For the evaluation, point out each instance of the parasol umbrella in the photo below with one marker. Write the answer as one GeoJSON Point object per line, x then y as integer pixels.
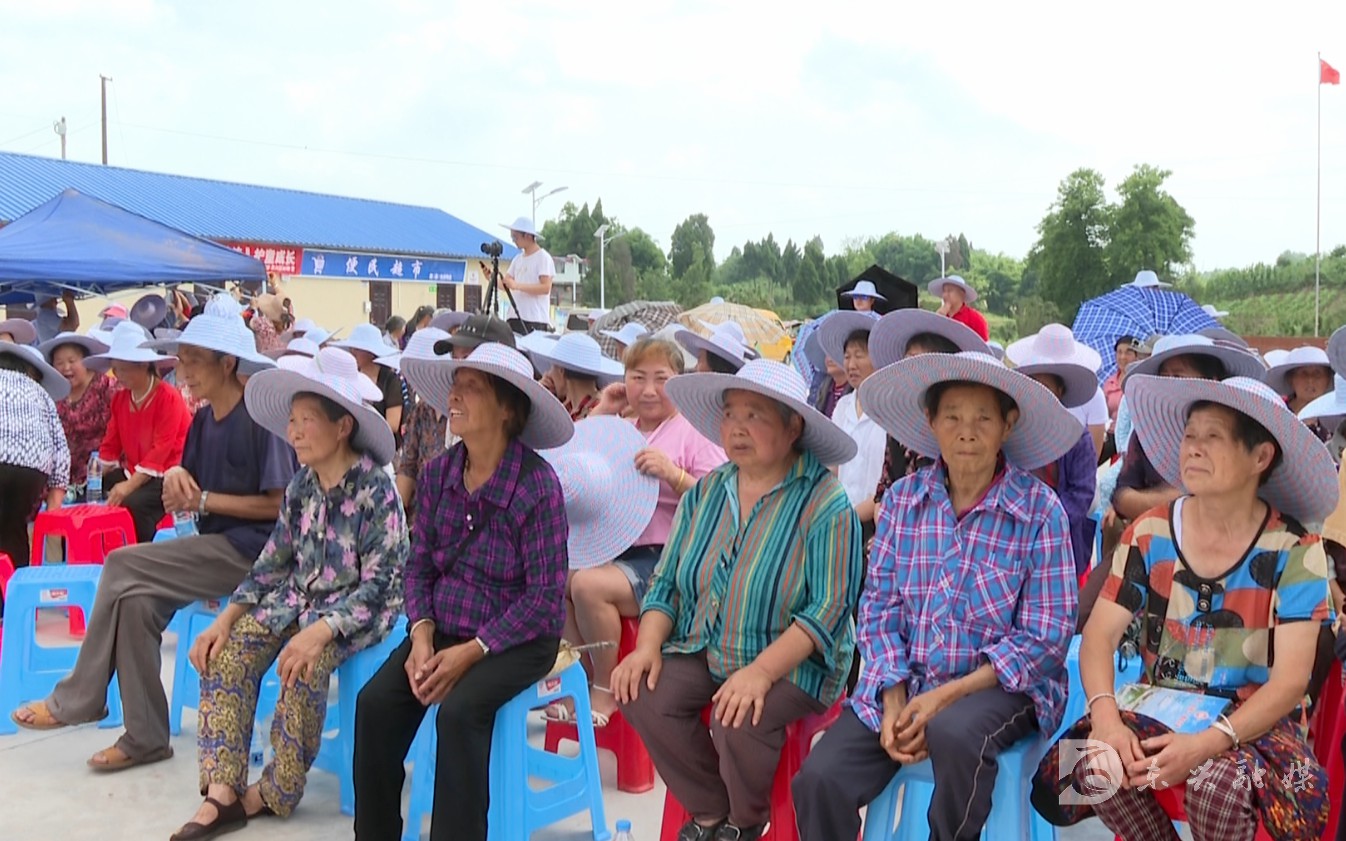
{"type": "Point", "coordinates": [654, 315]}
{"type": "Point", "coordinates": [808, 358]}
{"type": "Point", "coordinates": [764, 332]}
{"type": "Point", "coordinates": [1135, 311]}
{"type": "Point", "coordinates": [899, 293]}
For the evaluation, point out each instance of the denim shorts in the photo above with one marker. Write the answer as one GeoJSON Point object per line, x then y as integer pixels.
{"type": "Point", "coordinates": [638, 565]}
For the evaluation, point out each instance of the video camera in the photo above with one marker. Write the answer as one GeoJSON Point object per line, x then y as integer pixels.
{"type": "Point", "coordinates": [492, 249]}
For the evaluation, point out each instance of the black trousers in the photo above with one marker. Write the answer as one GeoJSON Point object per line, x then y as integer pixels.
{"type": "Point", "coordinates": [518, 326]}
{"type": "Point", "coordinates": [145, 503]}
{"type": "Point", "coordinates": [387, 716]}
{"type": "Point", "coordinates": [848, 768]}
{"type": "Point", "coordinates": [20, 489]}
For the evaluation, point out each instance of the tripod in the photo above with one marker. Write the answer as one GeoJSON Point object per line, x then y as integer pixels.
{"type": "Point", "coordinates": [493, 295]}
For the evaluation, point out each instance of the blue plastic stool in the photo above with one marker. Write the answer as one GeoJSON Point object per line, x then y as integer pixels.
{"type": "Point", "coordinates": [29, 671]}
{"type": "Point", "coordinates": [517, 809]}
{"type": "Point", "coordinates": [188, 624]}
{"type": "Point", "coordinates": [1128, 671]}
{"type": "Point", "coordinates": [337, 754]}
{"type": "Point", "coordinates": [165, 535]}
{"type": "Point", "coordinates": [1012, 817]}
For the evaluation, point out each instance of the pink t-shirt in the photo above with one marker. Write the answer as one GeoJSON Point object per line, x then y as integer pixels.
{"type": "Point", "coordinates": [691, 451]}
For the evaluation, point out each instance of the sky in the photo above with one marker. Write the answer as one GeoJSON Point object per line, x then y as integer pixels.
{"type": "Point", "coordinates": [841, 119]}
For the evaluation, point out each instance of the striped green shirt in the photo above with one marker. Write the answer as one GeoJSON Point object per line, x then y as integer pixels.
{"type": "Point", "coordinates": [733, 591]}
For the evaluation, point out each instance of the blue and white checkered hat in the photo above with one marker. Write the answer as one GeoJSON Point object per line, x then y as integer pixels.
{"type": "Point", "coordinates": [700, 398]}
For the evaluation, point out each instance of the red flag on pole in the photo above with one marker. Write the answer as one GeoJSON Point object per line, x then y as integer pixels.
{"type": "Point", "coordinates": [1327, 74]}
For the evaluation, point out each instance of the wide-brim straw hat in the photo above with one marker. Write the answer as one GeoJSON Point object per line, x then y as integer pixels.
{"type": "Point", "coordinates": [1336, 351]}
{"type": "Point", "coordinates": [52, 382]}
{"type": "Point", "coordinates": [421, 345]}
{"type": "Point", "coordinates": [1278, 377]}
{"type": "Point", "coordinates": [149, 311]}
{"type": "Point", "coordinates": [535, 346]}
{"type": "Point", "coordinates": [333, 374]}
{"type": "Point", "coordinates": [1329, 408]}
{"type": "Point", "coordinates": [580, 353]}
{"type": "Point", "coordinates": [269, 305]}
{"type": "Point", "coordinates": [839, 326]}
{"type": "Point", "coordinates": [1146, 279]}
{"type": "Point", "coordinates": [630, 333]}
{"type": "Point", "coordinates": [700, 398]}
{"type": "Point", "coordinates": [937, 285]}
{"type": "Point", "coordinates": [889, 339]}
{"type": "Point", "coordinates": [365, 337]}
{"type": "Point", "coordinates": [301, 346]}
{"type": "Point", "coordinates": [1211, 311]}
{"type": "Point", "coordinates": [864, 289]}
{"type": "Point", "coordinates": [1237, 362]}
{"type": "Point", "coordinates": [128, 345]}
{"type": "Point", "coordinates": [895, 398]}
{"type": "Point", "coordinates": [523, 225]}
{"type": "Point", "coordinates": [21, 329]}
{"type": "Point", "coordinates": [609, 503]}
{"type": "Point", "coordinates": [91, 344]}
{"type": "Point", "coordinates": [548, 424]}
{"type": "Point", "coordinates": [1053, 350]}
{"type": "Point", "coordinates": [1303, 485]}
{"type": "Point", "coordinates": [726, 340]}
{"type": "Point", "coordinates": [219, 328]}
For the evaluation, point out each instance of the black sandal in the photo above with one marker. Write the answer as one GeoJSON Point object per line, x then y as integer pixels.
{"type": "Point", "coordinates": [227, 819]}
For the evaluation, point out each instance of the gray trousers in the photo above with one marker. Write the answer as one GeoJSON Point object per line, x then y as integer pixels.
{"type": "Point", "coordinates": [141, 588]}
{"type": "Point", "coordinates": [848, 768]}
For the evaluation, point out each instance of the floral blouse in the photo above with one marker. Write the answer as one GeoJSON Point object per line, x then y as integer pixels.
{"type": "Point", "coordinates": [85, 423]}
{"type": "Point", "coordinates": [425, 439]}
{"type": "Point", "coordinates": [267, 337]}
{"type": "Point", "coordinates": [334, 555]}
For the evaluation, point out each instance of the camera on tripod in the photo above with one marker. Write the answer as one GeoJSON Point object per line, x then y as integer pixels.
{"type": "Point", "coordinates": [492, 249]}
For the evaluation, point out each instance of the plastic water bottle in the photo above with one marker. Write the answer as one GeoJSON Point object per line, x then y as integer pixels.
{"type": "Point", "coordinates": [623, 832]}
{"type": "Point", "coordinates": [184, 523]}
{"type": "Point", "coordinates": [93, 488]}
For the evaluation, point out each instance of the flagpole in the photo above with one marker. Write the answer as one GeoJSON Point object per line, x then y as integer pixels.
{"type": "Point", "coordinates": [1318, 211]}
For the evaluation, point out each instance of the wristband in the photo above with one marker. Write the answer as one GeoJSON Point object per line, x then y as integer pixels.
{"type": "Point", "coordinates": [419, 622]}
{"type": "Point", "coordinates": [201, 506]}
{"type": "Point", "coordinates": [485, 649]}
{"type": "Point", "coordinates": [1089, 705]}
{"type": "Point", "coordinates": [1225, 726]}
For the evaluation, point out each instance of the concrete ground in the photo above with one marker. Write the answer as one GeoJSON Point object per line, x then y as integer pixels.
{"type": "Point", "coordinates": [47, 793]}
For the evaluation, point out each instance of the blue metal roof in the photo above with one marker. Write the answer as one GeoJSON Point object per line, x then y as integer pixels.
{"type": "Point", "coordinates": [221, 210]}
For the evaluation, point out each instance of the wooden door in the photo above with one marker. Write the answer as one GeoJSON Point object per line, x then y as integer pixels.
{"type": "Point", "coordinates": [471, 298]}
{"type": "Point", "coordinates": [446, 296]}
{"type": "Point", "coordinates": [380, 302]}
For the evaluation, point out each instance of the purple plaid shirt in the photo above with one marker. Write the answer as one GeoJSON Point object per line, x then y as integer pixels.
{"type": "Point", "coordinates": [943, 594]}
{"type": "Point", "coordinates": [492, 563]}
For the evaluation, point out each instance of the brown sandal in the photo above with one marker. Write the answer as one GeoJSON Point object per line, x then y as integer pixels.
{"type": "Point", "coordinates": [111, 766]}
{"type": "Point", "coordinates": [227, 819]}
{"type": "Point", "coordinates": [42, 717]}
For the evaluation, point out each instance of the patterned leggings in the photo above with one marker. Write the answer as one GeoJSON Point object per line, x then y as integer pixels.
{"type": "Point", "coordinates": [229, 706]}
{"type": "Point", "coordinates": [1220, 810]}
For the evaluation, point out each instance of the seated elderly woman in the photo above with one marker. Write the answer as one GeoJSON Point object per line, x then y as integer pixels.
{"type": "Point", "coordinates": [85, 411]}
{"type": "Point", "coordinates": [485, 590]}
{"type": "Point", "coordinates": [1304, 375]}
{"type": "Point", "coordinates": [722, 352]}
{"type": "Point", "coordinates": [146, 430]}
{"type": "Point", "coordinates": [677, 456]}
{"type": "Point", "coordinates": [1232, 590]}
{"type": "Point", "coordinates": [969, 598]}
{"type": "Point", "coordinates": [326, 585]}
{"type": "Point", "coordinates": [749, 609]}
{"type": "Point", "coordinates": [577, 369]}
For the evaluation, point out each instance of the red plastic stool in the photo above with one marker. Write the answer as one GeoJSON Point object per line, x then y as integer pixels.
{"type": "Point", "coordinates": [6, 573]}
{"type": "Point", "coordinates": [1328, 727]}
{"type": "Point", "coordinates": [1171, 801]}
{"type": "Point", "coordinates": [90, 532]}
{"type": "Point", "coordinates": [635, 769]}
{"type": "Point", "coordinates": [798, 742]}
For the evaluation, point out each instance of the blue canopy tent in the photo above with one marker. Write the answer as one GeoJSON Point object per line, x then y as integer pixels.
{"type": "Point", "coordinates": [81, 243]}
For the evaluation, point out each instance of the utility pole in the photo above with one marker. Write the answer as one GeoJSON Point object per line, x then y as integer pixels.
{"type": "Point", "coordinates": [103, 80]}
{"type": "Point", "coordinates": [59, 128]}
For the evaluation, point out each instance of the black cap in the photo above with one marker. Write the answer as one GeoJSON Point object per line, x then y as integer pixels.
{"type": "Point", "coordinates": [477, 331]}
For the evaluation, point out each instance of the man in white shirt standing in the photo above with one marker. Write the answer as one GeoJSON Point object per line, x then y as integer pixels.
{"type": "Point", "coordinates": [529, 277]}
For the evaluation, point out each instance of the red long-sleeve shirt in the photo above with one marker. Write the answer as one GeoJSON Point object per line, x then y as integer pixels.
{"type": "Point", "coordinates": [968, 316]}
{"type": "Point", "coordinates": [148, 439]}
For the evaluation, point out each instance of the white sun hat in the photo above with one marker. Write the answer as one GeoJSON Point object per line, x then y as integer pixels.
{"type": "Point", "coordinates": [127, 345]}
{"type": "Point", "coordinates": [864, 289]}
{"type": "Point", "coordinates": [421, 345]}
{"type": "Point", "coordinates": [365, 337]}
{"type": "Point", "coordinates": [1276, 356]}
{"type": "Point", "coordinates": [52, 382]}
{"type": "Point", "coordinates": [889, 339]}
{"type": "Point", "coordinates": [630, 333]}
{"type": "Point", "coordinates": [1146, 279]}
{"type": "Point", "coordinates": [1336, 350]}
{"type": "Point", "coordinates": [609, 502]}
{"type": "Point", "coordinates": [149, 311]}
{"type": "Point", "coordinates": [833, 333]}
{"type": "Point", "coordinates": [1301, 357]}
{"type": "Point", "coordinates": [700, 398]}
{"type": "Point", "coordinates": [548, 424]}
{"type": "Point", "coordinates": [726, 340]}
{"type": "Point", "coordinates": [1330, 407]}
{"type": "Point", "coordinates": [895, 398]}
{"type": "Point", "coordinates": [579, 352]}
{"type": "Point", "coordinates": [91, 343]}
{"type": "Point", "coordinates": [1303, 486]}
{"type": "Point", "coordinates": [302, 346]}
{"type": "Point", "coordinates": [1237, 362]}
{"type": "Point", "coordinates": [334, 374]}
{"type": "Point", "coordinates": [1053, 350]}
{"type": "Point", "coordinates": [1211, 311]}
{"type": "Point", "coordinates": [220, 328]}
{"type": "Point", "coordinates": [21, 329]}
{"type": "Point", "coordinates": [523, 225]}
{"type": "Point", "coordinates": [937, 285]}
{"type": "Point", "coordinates": [535, 345]}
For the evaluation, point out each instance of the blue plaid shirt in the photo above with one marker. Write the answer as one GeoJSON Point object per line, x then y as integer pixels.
{"type": "Point", "coordinates": [944, 594]}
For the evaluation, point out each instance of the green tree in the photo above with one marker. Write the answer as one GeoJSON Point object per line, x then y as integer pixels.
{"type": "Point", "coordinates": [692, 231]}
{"type": "Point", "coordinates": [1033, 313]}
{"type": "Point", "coordinates": [1069, 257]}
{"type": "Point", "coordinates": [1148, 229]}
{"type": "Point", "coordinates": [693, 288]}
